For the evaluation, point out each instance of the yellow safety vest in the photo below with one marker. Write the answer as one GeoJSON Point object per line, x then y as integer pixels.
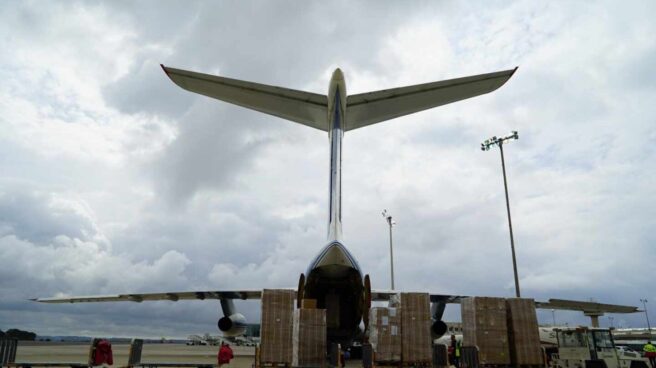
{"type": "Point", "coordinates": [649, 348]}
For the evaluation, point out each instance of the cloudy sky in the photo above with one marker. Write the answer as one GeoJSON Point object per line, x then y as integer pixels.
{"type": "Point", "coordinates": [115, 180]}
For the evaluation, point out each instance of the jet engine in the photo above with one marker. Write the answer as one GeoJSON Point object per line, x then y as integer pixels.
{"type": "Point", "coordinates": [233, 325]}
{"type": "Point", "coordinates": [438, 329]}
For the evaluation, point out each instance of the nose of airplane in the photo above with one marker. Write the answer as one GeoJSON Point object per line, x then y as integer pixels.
{"type": "Point", "coordinates": [338, 75]}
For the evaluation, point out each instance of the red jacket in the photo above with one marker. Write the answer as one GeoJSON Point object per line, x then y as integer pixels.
{"type": "Point", "coordinates": [225, 354]}
{"type": "Point", "coordinates": [103, 353]}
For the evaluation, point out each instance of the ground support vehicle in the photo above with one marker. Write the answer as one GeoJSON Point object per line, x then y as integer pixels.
{"type": "Point", "coordinates": [584, 347]}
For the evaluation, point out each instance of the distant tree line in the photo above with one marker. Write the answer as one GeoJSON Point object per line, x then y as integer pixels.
{"type": "Point", "coordinates": [14, 333]}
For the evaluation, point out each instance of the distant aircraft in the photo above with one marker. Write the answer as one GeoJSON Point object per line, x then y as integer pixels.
{"type": "Point", "coordinates": [334, 277]}
{"type": "Point", "coordinates": [198, 340]}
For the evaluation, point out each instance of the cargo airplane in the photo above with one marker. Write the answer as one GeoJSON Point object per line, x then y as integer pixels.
{"type": "Point", "coordinates": [334, 277]}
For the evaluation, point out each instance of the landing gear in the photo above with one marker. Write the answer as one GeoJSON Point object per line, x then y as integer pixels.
{"type": "Point", "coordinates": [366, 305]}
{"type": "Point", "coordinates": [300, 293]}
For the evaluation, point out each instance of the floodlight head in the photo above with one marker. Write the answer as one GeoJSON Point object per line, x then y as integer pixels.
{"type": "Point", "coordinates": [485, 146]}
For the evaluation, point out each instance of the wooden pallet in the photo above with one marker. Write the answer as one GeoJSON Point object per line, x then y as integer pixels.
{"type": "Point", "coordinates": [399, 364]}
{"type": "Point", "coordinates": [275, 364]}
{"type": "Point", "coordinates": [386, 363]}
{"type": "Point", "coordinates": [28, 364]}
{"type": "Point", "coordinates": [417, 364]}
{"type": "Point", "coordinates": [155, 365]}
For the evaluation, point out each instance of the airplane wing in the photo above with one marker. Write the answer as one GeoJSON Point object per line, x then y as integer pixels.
{"type": "Point", "coordinates": [586, 307]}
{"type": "Point", "coordinates": [562, 304]}
{"type": "Point", "coordinates": [171, 296]}
{"type": "Point", "coordinates": [384, 295]}
{"type": "Point", "coordinates": [302, 107]}
{"type": "Point", "coordinates": [373, 107]}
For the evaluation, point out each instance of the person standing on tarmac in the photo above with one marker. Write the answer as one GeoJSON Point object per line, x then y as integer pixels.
{"type": "Point", "coordinates": [457, 353]}
{"type": "Point", "coordinates": [225, 354]}
{"type": "Point", "coordinates": [650, 353]}
{"type": "Point", "coordinates": [454, 352]}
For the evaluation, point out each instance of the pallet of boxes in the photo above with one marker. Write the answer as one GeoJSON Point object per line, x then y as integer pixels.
{"type": "Point", "coordinates": [504, 332]}
{"type": "Point", "coordinates": [523, 334]}
{"type": "Point", "coordinates": [400, 334]}
{"type": "Point", "coordinates": [291, 338]}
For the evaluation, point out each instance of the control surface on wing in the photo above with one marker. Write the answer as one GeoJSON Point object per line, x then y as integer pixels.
{"type": "Point", "coordinates": [373, 107]}
{"type": "Point", "coordinates": [301, 107]}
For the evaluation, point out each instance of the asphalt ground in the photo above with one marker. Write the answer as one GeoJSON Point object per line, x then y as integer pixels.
{"type": "Point", "coordinates": [151, 353]}
{"type": "Point", "coordinates": [52, 352]}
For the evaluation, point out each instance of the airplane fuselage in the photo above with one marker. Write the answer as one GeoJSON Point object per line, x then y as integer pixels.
{"type": "Point", "coordinates": [334, 277]}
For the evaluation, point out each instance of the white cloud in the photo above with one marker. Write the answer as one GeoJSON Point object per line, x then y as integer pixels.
{"type": "Point", "coordinates": [115, 180]}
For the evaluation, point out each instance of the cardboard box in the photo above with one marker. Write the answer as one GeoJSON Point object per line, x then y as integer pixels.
{"type": "Point", "coordinates": [523, 332]}
{"type": "Point", "coordinates": [309, 338]}
{"type": "Point", "coordinates": [484, 325]}
{"type": "Point", "coordinates": [309, 303]}
{"type": "Point", "coordinates": [416, 339]}
{"type": "Point", "coordinates": [385, 333]}
{"type": "Point", "coordinates": [277, 326]}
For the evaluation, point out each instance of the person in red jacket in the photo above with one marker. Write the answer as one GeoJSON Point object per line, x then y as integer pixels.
{"type": "Point", "coordinates": [225, 354]}
{"type": "Point", "coordinates": [103, 353]}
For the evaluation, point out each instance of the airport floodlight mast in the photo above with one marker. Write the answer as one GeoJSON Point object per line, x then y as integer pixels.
{"type": "Point", "coordinates": [644, 305]}
{"type": "Point", "coordinates": [485, 146]}
{"type": "Point", "coordinates": [391, 223]}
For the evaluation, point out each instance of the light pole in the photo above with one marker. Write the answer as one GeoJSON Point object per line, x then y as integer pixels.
{"type": "Point", "coordinates": [485, 146]}
{"type": "Point", "coordinates": [644, 305]}
{"type": "Point", "coordinates": [610, 319]}
{"type": "Point", "coordinates": [553, 315]}
{"type": "Point", "coordinates": [391, 223]}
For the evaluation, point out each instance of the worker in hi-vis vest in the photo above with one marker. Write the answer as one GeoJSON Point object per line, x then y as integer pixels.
{"type": "Point", "coordinates": [650, 353]}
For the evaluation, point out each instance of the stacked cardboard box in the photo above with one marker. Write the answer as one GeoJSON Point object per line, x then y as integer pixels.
{"type": "Point", "coordinates": [309, 303]}
{"type": "Point", "coordinates": [309, 338]}
{"type": "Point", "coordinates": [276, 326]}
{"type": "Point", "coordinates": [484, 325]}
{"type": "Point", "coordinates": [416, 338]}
{"type": "Point", "coordinates": [385, 333]}
{"type": "Point", "coordinates": [523, 332]}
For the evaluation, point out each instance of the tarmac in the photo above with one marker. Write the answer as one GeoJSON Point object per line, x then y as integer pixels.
{"type": "Point", "coordinates": [52, 352]}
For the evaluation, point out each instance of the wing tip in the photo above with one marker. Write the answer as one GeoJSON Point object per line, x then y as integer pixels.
{"type": "Point", "coordinates": [510, 72]}
{"type": "Point", "coordinates": [166, 71]}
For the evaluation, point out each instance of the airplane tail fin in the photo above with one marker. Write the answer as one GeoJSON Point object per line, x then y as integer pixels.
{"type": "Point", "coordinates": [373, 107]}
{"type": "Point", "coordinates": [302, 107]}
{"type": "Point", "coordinates": [363, 109]}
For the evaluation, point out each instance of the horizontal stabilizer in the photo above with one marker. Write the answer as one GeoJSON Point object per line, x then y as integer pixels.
{"type": "Point", "coordinates": [373, 107]}
{"type": "Point", "coordinates": [302, 107]}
